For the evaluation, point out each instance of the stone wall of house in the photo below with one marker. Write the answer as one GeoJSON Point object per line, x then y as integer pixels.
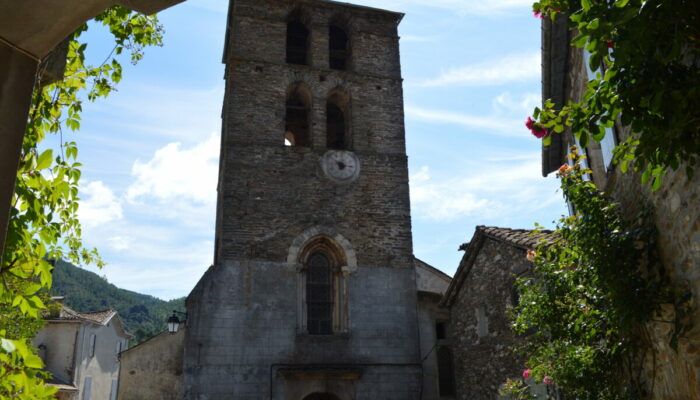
{"type": "Point", "coordinates": [58, 343]}
{"type": "Point", "coordinates": [480, 334]}
{"type": "Point", "coordinates": [676, 214]}
{"type": "Point", "coordinates": [153, 369]}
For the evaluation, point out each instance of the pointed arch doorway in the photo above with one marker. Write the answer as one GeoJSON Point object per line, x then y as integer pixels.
{"type": "Point", "coordinates": [321, 396]}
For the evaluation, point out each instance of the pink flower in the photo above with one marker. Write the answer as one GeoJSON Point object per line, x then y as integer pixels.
{"type": "Point", "coordinates": [564, 170]}
{"type": "Point", "coordinates": [537, 14]}
{"type": "Point", "coordinates": [527, 373]}
{"type": "Point", "coordinates": [531, 256]}
{"type": "Point", "coordinates": [529, 123]}
{"type": "Point", "coordinates": [547, 380]}
{"type": "Point", "coordinates": [538, 131]}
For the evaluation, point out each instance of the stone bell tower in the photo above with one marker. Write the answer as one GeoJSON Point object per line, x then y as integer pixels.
{"type": "Point", "coordinates": [312, 294]}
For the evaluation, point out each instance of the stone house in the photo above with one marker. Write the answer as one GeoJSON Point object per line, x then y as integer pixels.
{"type": "Point", "coordinates": [81, 351]}
{"type": "Point", "coordinates": [480, 340]}
{"type": "Point", "coordinates": [676, 214]}
{"type": "Point", "coordinates": [153, 369]}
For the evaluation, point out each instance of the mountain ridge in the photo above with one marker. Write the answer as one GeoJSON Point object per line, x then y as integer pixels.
{"type": "Point", "coordinates": [84, 291]}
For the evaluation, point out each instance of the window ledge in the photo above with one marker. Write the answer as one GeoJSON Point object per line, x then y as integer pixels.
{"type": "Point", "coordinates": [334, 337]}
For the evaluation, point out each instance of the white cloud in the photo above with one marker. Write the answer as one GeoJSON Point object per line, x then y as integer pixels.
{"type": "Point", "coordinates": [517, 105]}
{"type": "Point", "coordinates": [176, 175]}
{"type": "Point", "coordinates": [496, 124]}
{"type": "Point", "coordinates": [170, 113]}
{"type": "Point", "coordinates": [98, 205]}
{"type": "Point", "coordinates": [494, 190]}
{"type": "Point", "coordinates": [509, 69]}
{"type": "Point", "coordinates": [119, 242]}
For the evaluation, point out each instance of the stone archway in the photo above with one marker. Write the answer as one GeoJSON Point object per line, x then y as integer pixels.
{"type": "Point", "coordinates": [321, 396]}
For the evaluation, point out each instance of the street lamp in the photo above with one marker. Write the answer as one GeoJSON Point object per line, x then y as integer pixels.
{"type": "Point", "coordinates": [174, 321]}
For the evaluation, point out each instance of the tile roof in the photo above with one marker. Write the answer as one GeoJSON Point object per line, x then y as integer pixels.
{"type": "Point", "coordinates": [524, 239]}
{"type": "Point", "coordinates": [527, 238]}
{"type": "Point", "coordinates": [68, 314]}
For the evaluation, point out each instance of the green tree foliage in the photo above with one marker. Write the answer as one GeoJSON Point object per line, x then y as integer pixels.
{"type": "Point", "coordinates": [588, 298]}
{"type": "Point", "coordinates": [84, 291]}
{"type": "Point", "coordinates": [43, 216]}
{"type": "Point", "coordinates": [650, 50]}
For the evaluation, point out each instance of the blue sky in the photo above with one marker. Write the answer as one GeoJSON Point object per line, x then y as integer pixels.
{"type": "Point", "coordinates": [150, 152]}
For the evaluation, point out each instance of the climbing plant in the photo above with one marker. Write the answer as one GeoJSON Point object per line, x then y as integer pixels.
{"type": "Point", "coordinates": [647, 57]}
{"type": "Point", "coordinates": [44, 221]}
{"type": "Point", "coordinates": [593, 286]}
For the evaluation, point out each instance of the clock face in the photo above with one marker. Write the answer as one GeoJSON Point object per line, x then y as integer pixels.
{"type": "Point", "coordinates": [341, 165]}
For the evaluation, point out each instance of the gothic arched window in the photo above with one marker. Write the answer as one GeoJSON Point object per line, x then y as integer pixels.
{"type": "Point", "coordinates": [337, 48]}
{"type": "Point", "coordinates": [296, 130]}
{"type": "Point", "coordinates": [297, 42]}
{"type": "Point", "coordinates": [319, 294]}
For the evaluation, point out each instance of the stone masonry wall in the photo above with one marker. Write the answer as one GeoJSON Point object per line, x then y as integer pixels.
{"type": "Point", "coordinates": [676, 215]}
{"type": "Point", "coordinates": [153, 369]}
{"type": "Point", "coordinates": [283, 187]}
{"type": "Point", "coordinates": [242, 322]}
{"type": "Point", "coordinates": [480, 332]}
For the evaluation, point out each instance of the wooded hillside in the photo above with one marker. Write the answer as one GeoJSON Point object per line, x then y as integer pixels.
{"type": "Point", "coordinates": [85, 291]}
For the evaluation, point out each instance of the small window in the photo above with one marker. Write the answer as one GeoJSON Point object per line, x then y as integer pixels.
{"type": "Point", "coordinates": [319, 295]}
{"type": "Point", "coordinates": [609, 141]}
{"type": "Point", "coordinates": [440, 330]}
{"type": "Point", "coordinates": [607, 145]}
{"type": "Point", "coordinates": [446, 378]}
{"type": "Point", "coordinates": [296, 132]}
{"type": "Point", "coordinates": [93, 338]}
{"type": "Point", "coordinates": [297, 43]}
{"type": "Point", "coordinates": [337, 48]}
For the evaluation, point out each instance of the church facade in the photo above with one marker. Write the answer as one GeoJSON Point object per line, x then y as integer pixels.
{"type": "Point", "coordinates": [313, 293]}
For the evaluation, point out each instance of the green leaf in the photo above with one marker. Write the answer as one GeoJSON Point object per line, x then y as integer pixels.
{"type": "Point", "coordinates": [33, 362]}
{"type": "Point", "coordinates": [594, 24]}
{"type": "Point", "coordinates": [621, 3]}
{"type": "Point", "coordinates": [586, 4]}
{"type": "Point", "coordinates": [7, 345]}
{"type": "Point", "coordinates": [580, 40]}
{"type": "Point", "coordinates": [44, 160]}
{"type": "Point", "coordinates": [547, 140]}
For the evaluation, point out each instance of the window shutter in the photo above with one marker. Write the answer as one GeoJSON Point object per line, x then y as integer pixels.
{"type": "Point", "coordinates": [87, 388]}
{"type": "Point", "coordinates": [115, 388]}
{"type": "Point", "coordinates": [92, 345]}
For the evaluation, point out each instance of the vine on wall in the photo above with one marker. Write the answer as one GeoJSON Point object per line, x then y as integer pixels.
{"type": "Point", "coordinates": [651, 80]}
{"type": "Point", "coordinates": [590, 293]}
